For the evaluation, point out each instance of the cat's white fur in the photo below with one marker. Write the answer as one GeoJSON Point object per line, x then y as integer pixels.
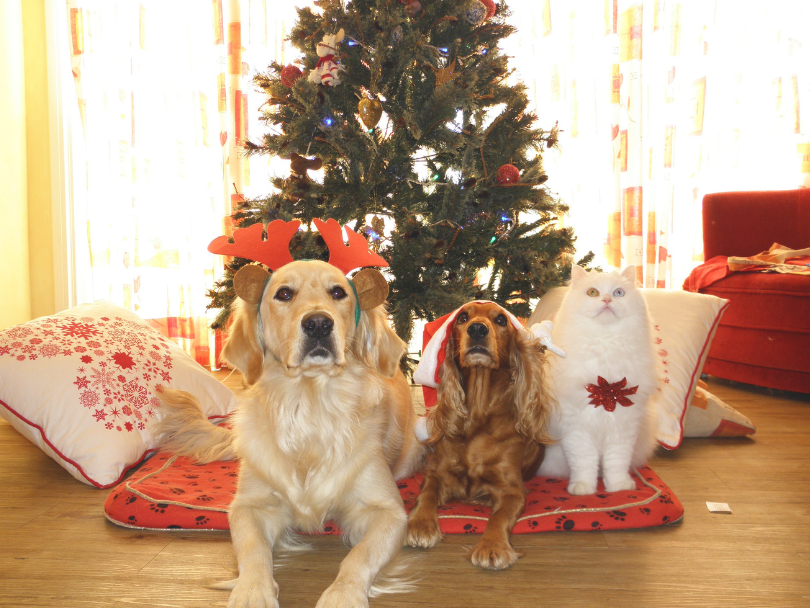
{"type": "Point", "coordinates": [608, 335]}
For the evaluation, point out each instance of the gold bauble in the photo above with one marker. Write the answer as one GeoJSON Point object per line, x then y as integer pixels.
{"type": "Point", "coordinates": [370, 112]}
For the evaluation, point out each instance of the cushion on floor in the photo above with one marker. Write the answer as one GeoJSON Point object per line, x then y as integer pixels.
{"type": "Point", "coordinates": [81, 386]}
{"type": "Point", "coordinates": [169, 492]}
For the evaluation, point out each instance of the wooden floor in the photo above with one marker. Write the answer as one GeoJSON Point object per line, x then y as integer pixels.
{"type": "Point", "coordinates": [57, 549]}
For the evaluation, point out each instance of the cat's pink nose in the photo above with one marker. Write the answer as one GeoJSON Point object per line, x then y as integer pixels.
{"type": "Point", "coordinates": [607, 300]}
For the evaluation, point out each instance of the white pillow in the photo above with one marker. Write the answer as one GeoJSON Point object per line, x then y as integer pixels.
{"type": "Point", "coordinates": [685, 324]}
{"type": "Point", "coordinates": [80, 385]}
{"type": "Point", "coordinates": [710, 416]}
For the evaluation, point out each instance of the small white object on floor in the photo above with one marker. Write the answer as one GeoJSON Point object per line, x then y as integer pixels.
{"type": "Point", "coordinates": [719, 507]}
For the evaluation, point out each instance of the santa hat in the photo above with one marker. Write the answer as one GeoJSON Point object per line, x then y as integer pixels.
{"type": "Point", "coordinates": [427, 372]}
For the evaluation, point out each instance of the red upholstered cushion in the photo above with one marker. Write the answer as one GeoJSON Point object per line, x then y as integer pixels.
{"type": "Point", "coordinates": [768, 322]}
{"type": "Point", "coordinates": [170, 493]}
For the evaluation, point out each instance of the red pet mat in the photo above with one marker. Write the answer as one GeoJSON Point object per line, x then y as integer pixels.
{"type": "Point", "coordinates": [169, 492]}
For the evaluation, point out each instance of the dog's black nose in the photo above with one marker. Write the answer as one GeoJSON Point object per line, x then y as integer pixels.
{"type": "Point", "coordinates": [317, 326]}
{"type": "Point", "coordinates": [477, 331]}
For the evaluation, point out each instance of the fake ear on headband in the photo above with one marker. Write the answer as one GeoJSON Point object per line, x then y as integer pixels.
{"type": "Point", "coordinates": [274, 252]}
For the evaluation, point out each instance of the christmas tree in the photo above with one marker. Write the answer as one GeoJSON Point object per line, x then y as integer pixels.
{"type": "Point", "coordinates": [425, 147]}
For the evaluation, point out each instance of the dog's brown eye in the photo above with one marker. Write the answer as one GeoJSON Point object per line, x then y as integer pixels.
{"type": "Point", "coordinates": [501, 320]}
{"type": "Point", "coordinates": [337, 292]}
{"type": "Point", "coordinates": [462, 318]}
{"type": "Point", "coordinates": [284, 294]}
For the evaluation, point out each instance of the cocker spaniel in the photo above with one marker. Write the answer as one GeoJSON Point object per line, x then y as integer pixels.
{"type": "Point", "coordinates": [322, 432]}
{"type": "Point", "coordinates": [487, 431]}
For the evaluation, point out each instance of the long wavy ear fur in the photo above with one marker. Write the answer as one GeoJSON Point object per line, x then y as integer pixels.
{"type": "Point", "coordinates": [447, 418]}
{"type": "Point", "coordinates": [243, 349]}
{"type": "Point", "coordinates": [532, 401]}
{"type": "Point", "coordinates": [376, 344]}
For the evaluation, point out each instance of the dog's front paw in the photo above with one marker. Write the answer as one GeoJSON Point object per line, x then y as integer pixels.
{"type": "Point", "coordinates": [423, 532]}
{"type": "Point", "coordinates": [343, 595]}
{"type": "Point", "coordinates": [254, 593]}
{"type": "Point", "coordinates": [581, 488]}
{"type": "Point", "coordinates": [493, 555]}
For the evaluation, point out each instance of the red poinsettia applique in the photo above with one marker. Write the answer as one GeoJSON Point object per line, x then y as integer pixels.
{"type": "Point", "coordinates": [607, 395]}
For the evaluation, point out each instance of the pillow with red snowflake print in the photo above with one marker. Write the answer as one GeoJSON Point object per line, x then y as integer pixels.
{"type": "Point", "coordinates": [80, 385]}
{"type": "Point", "coordinates": [684, 324]}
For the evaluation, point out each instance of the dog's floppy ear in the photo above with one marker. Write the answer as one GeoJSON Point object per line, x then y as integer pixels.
{"type": "Point", "coordinates": [376, 344]}
{"type": "Point", "coordinates": [532, 402]}
{"type": "Point", "coordinates": [243, 350]}
{"type": "Point", "coordinates": [447, 418]}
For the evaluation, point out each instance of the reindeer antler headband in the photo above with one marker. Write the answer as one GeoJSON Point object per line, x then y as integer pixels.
{"type": "Point", "coordinates": [370, 287]}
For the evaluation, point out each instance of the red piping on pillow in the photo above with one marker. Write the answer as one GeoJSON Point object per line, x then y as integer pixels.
{"type": "Point", "coordinates": [75, 464]}
{"type": "Point", "coordinates": [696, 371]}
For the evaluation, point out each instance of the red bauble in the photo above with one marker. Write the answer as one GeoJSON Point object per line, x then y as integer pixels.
{"type": "Point", "coordinates": [507, 174]}
{"type": "Point", "coordinates": [412, 8]}
{"type": "Point", "coordinates": [289, 75]}
{"type": "Point", "coordinates": [491, 8]}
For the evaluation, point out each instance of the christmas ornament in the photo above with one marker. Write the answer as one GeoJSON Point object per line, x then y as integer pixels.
{"type": "Point", "coordinates": [491, 8]}
{"type": "Point", "coordinates": [370, 111]}
{"type": "Point", "coordinates": [299, 180]}
{"type": "Point", "coordinates": [445, 75]}
{"type": "Point", "coordinates": [396, 35]}
{"type": "Point", "coordinates": [290, 74]}
{"type": "Point", "coordinates": [327, 70]}
{"type": "Point", "coordinates": [507, 174]}
{"type": "Point", "coordinates": [475, 13]}
{"type": "Point", "coordinates": [412, 8]}
{"type": "Point", "coordinates": [607, 395]}
{"type": "Point", "coordinates": [374, 233]}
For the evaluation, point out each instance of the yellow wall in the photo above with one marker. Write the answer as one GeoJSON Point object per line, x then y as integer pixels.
{"type": "Point", "coordinates": [26, 234]}
{"type": "Point", "coordinates": [15, 303]}
{"type": "Point", "coordinates": [40, 223]}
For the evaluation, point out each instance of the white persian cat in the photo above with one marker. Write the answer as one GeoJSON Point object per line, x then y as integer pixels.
{"type": "Point", "coordinates": [605, 426]}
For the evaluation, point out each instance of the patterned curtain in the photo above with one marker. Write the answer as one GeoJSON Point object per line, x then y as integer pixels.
{"type": "Point", "coordinates": [660, 102]}
{"type": "Point", "coordinates": [165, 98]}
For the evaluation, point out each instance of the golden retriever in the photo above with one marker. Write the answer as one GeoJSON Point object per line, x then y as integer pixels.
{"type": "Point", "coordinates": [322, 433]}
{"type": "Point", "coordinates": [487, 430]}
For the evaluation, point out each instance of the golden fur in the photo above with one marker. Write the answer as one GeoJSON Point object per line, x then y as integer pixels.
{"type": "Point", "coordinates": [322, 433]}
{"type": "Point", "coordinates": [487, 430]}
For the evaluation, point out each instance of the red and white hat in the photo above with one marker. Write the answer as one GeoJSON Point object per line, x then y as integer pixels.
{"type": "Point", "coordinates": [427, 372]}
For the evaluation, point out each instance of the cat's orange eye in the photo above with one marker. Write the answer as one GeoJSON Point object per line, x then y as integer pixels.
{"type": "Point", "coordinates": [618, 292]}
{"type": "Point", "coordinates": [593, 292]}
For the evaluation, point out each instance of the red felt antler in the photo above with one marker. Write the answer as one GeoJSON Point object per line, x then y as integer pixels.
{"type": "Point", "coordinates": [248, 243]}
{"type": "Point", "coordinates": [356, 255]}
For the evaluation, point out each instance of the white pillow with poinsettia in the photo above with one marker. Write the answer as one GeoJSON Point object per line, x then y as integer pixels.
{"type": "Point", "coordinates": [81, 385]}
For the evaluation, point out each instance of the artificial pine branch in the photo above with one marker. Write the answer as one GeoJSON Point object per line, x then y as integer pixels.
{"type": "Point", "coordinates": [431, 168]}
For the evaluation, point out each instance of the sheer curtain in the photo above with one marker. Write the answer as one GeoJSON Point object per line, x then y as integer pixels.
{"type": "Point", "coordinates": [660, 102]}
{"type": "Point", "coordinates": [164, 97]}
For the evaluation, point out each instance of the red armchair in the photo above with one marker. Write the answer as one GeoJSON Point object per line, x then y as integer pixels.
{"type": "Point", "coordinates": [764, 336]}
